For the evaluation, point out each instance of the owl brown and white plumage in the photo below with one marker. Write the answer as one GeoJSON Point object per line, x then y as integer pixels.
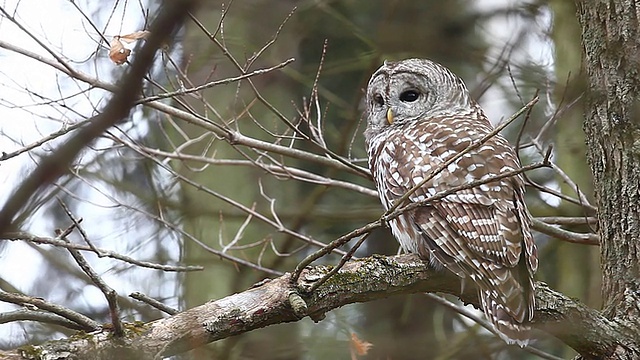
{"type": "Point", "coordinates": [419, 115]}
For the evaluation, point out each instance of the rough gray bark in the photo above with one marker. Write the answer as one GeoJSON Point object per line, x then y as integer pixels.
{"type": "Point", "coordinates": [363, 280]}
{"type": "Point", "coordinates": [610, 33]}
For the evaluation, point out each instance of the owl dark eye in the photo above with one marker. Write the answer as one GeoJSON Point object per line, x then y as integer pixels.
{"type": "Point", "coordinates": [378, 99]}
{"type": "Point", "coordinates": [409, 95]}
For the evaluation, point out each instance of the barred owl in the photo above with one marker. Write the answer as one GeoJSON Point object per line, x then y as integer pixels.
{"type": "Point", "coordinates": [419, 114]}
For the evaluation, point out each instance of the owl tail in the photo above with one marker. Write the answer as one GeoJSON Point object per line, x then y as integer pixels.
{"type": "Point", "coordinates": [511, 330]}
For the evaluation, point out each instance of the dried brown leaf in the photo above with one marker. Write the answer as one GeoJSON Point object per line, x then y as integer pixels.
{"type": "Point", "coordinates": [117, 52]}
{"type": "Point", "coordinates": [359, 347]}
{"type": "Point", "coordinates": [129, 38]}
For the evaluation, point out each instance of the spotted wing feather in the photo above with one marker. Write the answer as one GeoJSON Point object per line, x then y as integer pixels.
{"type": "Point", "coordinates": [480, 232]}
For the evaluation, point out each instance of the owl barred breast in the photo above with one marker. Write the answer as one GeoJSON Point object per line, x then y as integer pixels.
{"type": "Point", "coordinates": [419, 114]}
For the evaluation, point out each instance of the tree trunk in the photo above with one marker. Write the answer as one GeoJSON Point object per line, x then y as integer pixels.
{"type": "Point", "coordinates": [212, 220]}
{"type": "Point", "coordinates": [579, 279]}
{"type": "Point", "coordinates": [612, 59]}
{"type": "Point", "coordinates": [570, 155]}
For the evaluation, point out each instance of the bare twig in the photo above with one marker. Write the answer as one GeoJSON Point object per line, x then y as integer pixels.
{"type": "Point", "coordinates": [280, 170]}
{"type": "Point", "coordinates": [19, 299]}
{"type": "Point", "coordinates": [346, 257]}
{"type": "Point", "coordinates": [215, 83]}
{"type": "Point", "coordinates": [153, 302]}
{"type": "Point", "coordinates": [40, 317]}
{"type": "Point", "coordinates": [565, 235]}
{"type": "Point", "coordinates": [13, 236]}
{"type": "Point", "coordinates": [76, 225]}
{"type": "Point", "coordinates": [37, 40]}
{"type": "Point", "coordinates": [109, 293]}
{"type": "Point", "coordinates": [54, 135]}
{"type": "Point", "coordinates": [178, 229]}
{"type": "Point", "coordinates": [443, 194]}
{"type": "Point", "coordinates": [330, 154]}
{"type": "Point", "coordinates": [582, 198]}
{"type": "Point", "coordinates": [231, 136]}
{"type": "Point", "coordinates": [238, 205]}
{"type": "Point", "coordinates": [561, 220]}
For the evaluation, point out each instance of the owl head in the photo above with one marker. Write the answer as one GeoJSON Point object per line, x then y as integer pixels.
{"type": "Point", "coordinates": [410, 90]}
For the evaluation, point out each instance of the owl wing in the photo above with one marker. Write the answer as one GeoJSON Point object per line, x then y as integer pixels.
{"type": "Point", "coordinates": [470, 237]}
{"type": "Point", "coordinates": [489, 228]}
{"type": "Point", "coordinates": [477, 232]}
{"type": "Point", "coordinates": [484, 222]}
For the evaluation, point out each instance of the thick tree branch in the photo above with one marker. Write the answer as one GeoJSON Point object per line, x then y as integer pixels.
{"type": "Point", "coordinates": [586, 330]}
{"type": "Point", "coordinates": [362, 280]}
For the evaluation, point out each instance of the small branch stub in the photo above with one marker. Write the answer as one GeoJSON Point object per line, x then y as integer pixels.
{"type": "Point", "coordinates": [298, 305]}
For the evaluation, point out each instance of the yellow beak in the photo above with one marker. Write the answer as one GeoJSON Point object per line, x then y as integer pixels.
{"type": "Point", "coordinates": [390, 116]}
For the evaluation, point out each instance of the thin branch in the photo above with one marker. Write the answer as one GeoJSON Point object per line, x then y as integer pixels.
{"type": "Point", "coordinates": [470, 185]}
{"type": "Point", "coordinates": [346, 257]}
{"type": "Point", "coordinates": [215, 83]}
{"type": "Point", "coordinates": [277, 170]}
{"type": "Point", "coordinates": [565, 235]}
{"type": "Point", "coordinates": [330, 154]}
{"type": "Point", "coordinates": [582, 198]}
{"type": "Point", "coordinates": [109, 293]}
{"type": "Point", "coordinates": [178, 229]}
{"type": "Point", "coordinates": [52, 136]}
{"type": "Point", "coordinates": [334, 245]}
{"type": "Point", "coordinates": [562, 220]}
{"type": "Point", "coordinates": [154, 303]}
{"type": "Point", "coordinates": [37, 40]}
{"type": "Point", "coordinates": [38, 316]}
{"type": "Point", "coordinates": [274, 223]}
{"type": "Point", "coordinates": [82, 320]}
{"type": "Point", "coordinates": [23, 236]}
